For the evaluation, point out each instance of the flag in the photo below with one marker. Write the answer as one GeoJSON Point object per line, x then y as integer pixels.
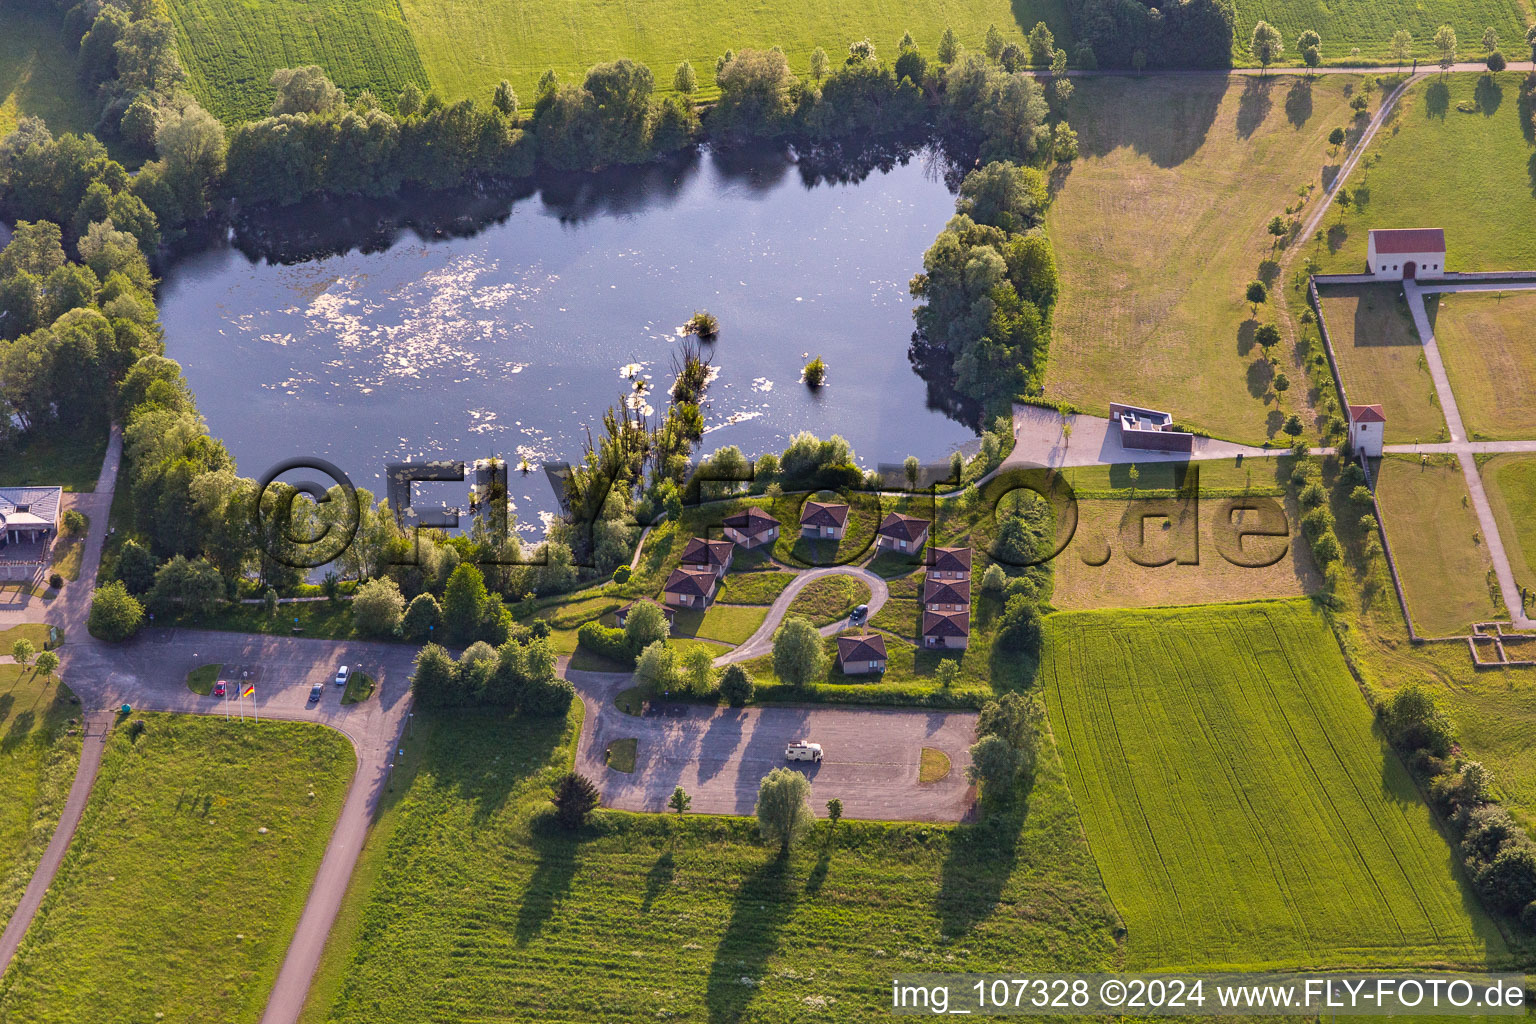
{"type": "Point", "coordinates": [249, 691]}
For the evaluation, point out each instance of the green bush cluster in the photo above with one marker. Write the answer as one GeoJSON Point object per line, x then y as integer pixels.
{"type": "Point", "coordinates": [520, 674]}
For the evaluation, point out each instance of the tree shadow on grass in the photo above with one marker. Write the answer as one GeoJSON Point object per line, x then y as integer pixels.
{"type": "Point", "coordinates": [1298, 102]}
{"type": "Point", "coordinates": [657, 879]}
{"type": "Point", "coordinates": [1245, 336]}
{"type": "Point", "coordinates": [1167, 126]}
{"type": "Point", "coordinates": [1260, 375]}
{"type": "Point", "coordinates": [1253, 105]}
{"type": "Point", "coordinates": [21, 728]}
{"type": "Point", "coordinates": [559, 854]}
{"type": "Point", "coordinates": [977, 867]}
{"type": "Point", "coordinates": [1488, 95]}
{"type": "Point", "coordinates": [1437, 99]}
{"type": "Point", "coordinates": [763, 906]}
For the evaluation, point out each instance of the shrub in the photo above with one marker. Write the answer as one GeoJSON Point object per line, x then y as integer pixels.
{"type": "Point", "coordinates": [116, 614]}
{"type": "Point", "coordinates": [74, 522]}
{"type": "Point", "coordinates": [645, 624]}
{"type": "Point", "coordinates": [1326, 549]}
{"type": "Point", "coordinates": [575, 798]}
{"type": "Point", "coordinates": [993, 580]}
{"type": "Point", "coordinates": [736, 686]}
{"type": "Point", "coordinates": [378, 607]}
{"type": "Point", "coordinates": [1361, 495]}
{"type": "Point", "coordinates": [657, 666]}
{"type": "Point", "coordinates": [56, 581]}
{"type": "Point", "coordinates": [421, 616]}
{"type": "Point", "coordinates": [1508, 882]}
{"type": "Point", "coordinates": [1412, 721]}
{"type": "Point", "coordinates": [605, 642]}
{"type": "Point", "coordinates": [1312, 495]}
{"type": "Point", "coordinates": [1488, 828]}
{"type": "Point", "coordinates": [1018, 628]}
{"type": "Point", "coordinates": [1528, 916]}
{"type": "Point", "coordinates": [622, 574]}
{"type": "Point", "coordinates": [703, 323]}
{"type": "Point", "coordinates": [994, 765]}
{"type": "Point", "coordinates": [816, 372]}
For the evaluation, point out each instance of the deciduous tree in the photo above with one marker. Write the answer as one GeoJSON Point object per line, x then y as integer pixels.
{"type": "Point", "coordinates": [783, 811]}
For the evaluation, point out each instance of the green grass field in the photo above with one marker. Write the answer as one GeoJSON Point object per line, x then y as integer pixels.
{"type": "Point", "coordinates": [37, 76]}
{"type": "Point", "coordinates": [830, 598]}
{"type": "Point", "coordinates": [1160, 225]}
{"type": "Point", "coordinates": [1382, 359]}
{"type": "Point", "coordinates": [1368, 25]}
{"type": "Point", "coordinates": [1510, 481]}
{"type": "Point", "coordinates": [464, 47]}
{"type": "Point", "coordinates": [37, 765]}
{"type": "Point", "coordinates": [754, 587]}
{"type": "Point", "coordinates": [469, 905]}
{"type": "Point", "coordinates": [1240, 807]}
{"type": "Point", "coordinates": [1435, 539]}
{"type": "Point", "coordinates": [1490, 357]}
{"type": "Point", "coordinates": [1469, 173]}
{"type": "Point", "coordinates": [726, 623]}
{"type": "Point", "coordinates": [70, 461]}
{"type": "Point", "coordinates": [171, 905]}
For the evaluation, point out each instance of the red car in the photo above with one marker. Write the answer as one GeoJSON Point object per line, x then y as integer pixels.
{"type": "Point", "coordinates": [220, 688]}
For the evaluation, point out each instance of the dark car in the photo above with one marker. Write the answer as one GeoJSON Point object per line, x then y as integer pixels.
{"type": "Point", "coordinates": [857, 615]}
{"type": "Point", "coordinates": [316, 692]}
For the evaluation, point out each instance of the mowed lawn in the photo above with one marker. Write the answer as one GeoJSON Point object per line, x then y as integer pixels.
{"type": "Point", "coordinates": [1489, 346]}
{"type": "Point", "coordinates": [464, 47]}
{"type": "Point", "coordinates": [37, 765]}
{"type": "Point", "coordinates": [1240, 807]}
{"type": "Point", "coordinates": [1437, 543]}
{"type": "Point", "coordinates": [1160, 225]}
{"type": "Point", "coordinates": [1510, 481]}
{"type": "Point", "coordinates": [469, 904]}
{"type": "Point", "coordinates": [1115, 555]}
{"type": "Point", "coordinates": [1382, 359]}
{"type": "Point", "coordinates": [1368, 25]}
{"type": "Point", "coordinates": [172, 905]}
{"type": "Point", "coordinates": [37, 73]}
{"type": "Point", "coordinates": [1469, 173]}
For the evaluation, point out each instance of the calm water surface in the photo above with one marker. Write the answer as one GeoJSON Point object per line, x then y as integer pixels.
{"type": "Point", "coordinates": [513, 340]}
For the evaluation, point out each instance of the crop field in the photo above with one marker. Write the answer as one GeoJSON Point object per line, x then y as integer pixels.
{"type": "Point", "coordinates": [1510, 481]}
{"type": "Point", "coordinates": [1469, 172]}
{"type": "Point", "coordinates": [1490, 356]}
{"type": "Point", "coordinates": [1160, 225]}
{"type": "Point", "coordinates": [37, 765]}
{"type": "Point", "coordinates": [1367, 25]}
{"type": "Point", "coordinates": [1382, 359]}
{"type": "Point", "coordinates": [1435, 539]}
{"type": "Point", "coordinates": [469, 904]}
{"type": "Point", "coordinates": [171, 904]}
{"type": "Point", "coordinates": [37, 74]}
{"type": "Point", "coordinates": [1240, 807]}
{"type": "Point", "coordinates": [1112, 561]}
{"type": "Point", "coordinates": [464, 47]}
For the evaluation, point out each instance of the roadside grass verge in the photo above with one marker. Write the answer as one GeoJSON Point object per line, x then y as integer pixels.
{"type": "Point", "coordinates": [695, 900]}
{"type": "Point", "coordinates": [169, 881]}
{"type": "Point", "coordinates": [1440, 551]}
{"type": "Point", "coordinates": [1510, 481]}
{"type": "Point", "coordinates": [1436, 166]}
{"type": "Point", "coordinates": [71, 460]}
{"type": "Point", "coordinates": [201, 679]}
{"type": "Point", "coordinates": [1240, 806]}
{"type": "Point", "coordinates": [1159, 226]}
{"type": "Point", "coordinates": [325, 619]}
{"type": "Point", "coordinates": [1382, 359]}
{"type": "Point", "coordinates": [39, 752]}
{"type": "Point", "coordinates": [1485, 340]}
{"type": "Point", "coordinates": [68, 552]}
{"type": "Point", "coordinates": [830, 598]}
{"type": "Point", "coordinates": [36, 632]}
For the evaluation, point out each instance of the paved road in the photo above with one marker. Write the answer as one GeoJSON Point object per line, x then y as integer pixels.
{"type": "Point", "coordinates": [1466, 452]}
{"type": "Point", "coordinates": [93, 744]}
{"type": "Point", "coordinates": [761, 641]}
{"type": "Point", "coordinates": [719, 755]}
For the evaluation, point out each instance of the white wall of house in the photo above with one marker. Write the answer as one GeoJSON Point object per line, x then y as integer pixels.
{"type": "Point", "coordinates": [1393, 266]}
{"type": "Point", "coordinates": [1366, 438]}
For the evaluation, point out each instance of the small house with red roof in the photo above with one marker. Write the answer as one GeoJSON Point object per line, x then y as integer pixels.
{"type": "Point", "coordinates": [752, 528]}
{"type": "Point", "coordinates": [715, 555]}
{"type": "Point", "coordinates": [1406, 254]}
{"type": "Point", "coordinates": [690, 586]}
{"type": "Point", "coordinates": [1367, 424]}
{"type": "Point", "coordinates": [901, 532]}
{"type": "Point", "coordinates": [861, 653]}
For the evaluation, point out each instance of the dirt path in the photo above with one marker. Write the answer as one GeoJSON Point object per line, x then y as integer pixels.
{"type": "Point", "coordinates": [98, 724]}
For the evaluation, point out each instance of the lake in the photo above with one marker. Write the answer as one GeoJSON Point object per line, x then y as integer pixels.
{"type": "Point", "coordinates": [507, 325]}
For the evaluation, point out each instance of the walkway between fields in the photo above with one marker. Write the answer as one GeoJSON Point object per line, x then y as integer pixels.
{"type": "Point", "coordinates": [1466, 451]}
{"type": "Point", "coordinates": [97, 725]}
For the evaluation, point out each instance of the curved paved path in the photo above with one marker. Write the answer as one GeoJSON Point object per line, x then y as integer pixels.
{"type": "Point", "coordinates": [720, 754]}
{"type": "Point", "coordinates": [761, 641]}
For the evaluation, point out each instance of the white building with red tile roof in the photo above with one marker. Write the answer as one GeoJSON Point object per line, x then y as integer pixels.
{"type": "Point", "coordinates": [1406, 254]}
{"type": "Point", "coordinates": [1367, 425]}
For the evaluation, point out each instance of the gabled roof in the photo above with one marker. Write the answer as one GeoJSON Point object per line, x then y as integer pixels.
{"type": "Point", "coordinates": [42, 502]}
{"type": "Point", "coordinates": [946, 591]}
{"type": "Point", "coordinates": [902, 526]}
{"type": "Point", "coordinates": [946, 624]}
{"type": "Point", "coordinates": [1408, 240]}
{"type": "Point", "coordinates": [823, 513]}
{"type": "Point", "coordinates": [950, 559]}
{"type": "Point", "coordinates": [753, 520]}
{"type": "Point", "coordinates": [707, 552]}
{"type": "Point", "coordinates": [868, 647]}
{"type": "Point", "coordinates": [693, 582]}
{"type": "Point", "coordinates": [1366, 414]}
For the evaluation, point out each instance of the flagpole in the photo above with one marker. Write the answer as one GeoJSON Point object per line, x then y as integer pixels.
{"type": "Point", "coordinates": [255, 708]}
